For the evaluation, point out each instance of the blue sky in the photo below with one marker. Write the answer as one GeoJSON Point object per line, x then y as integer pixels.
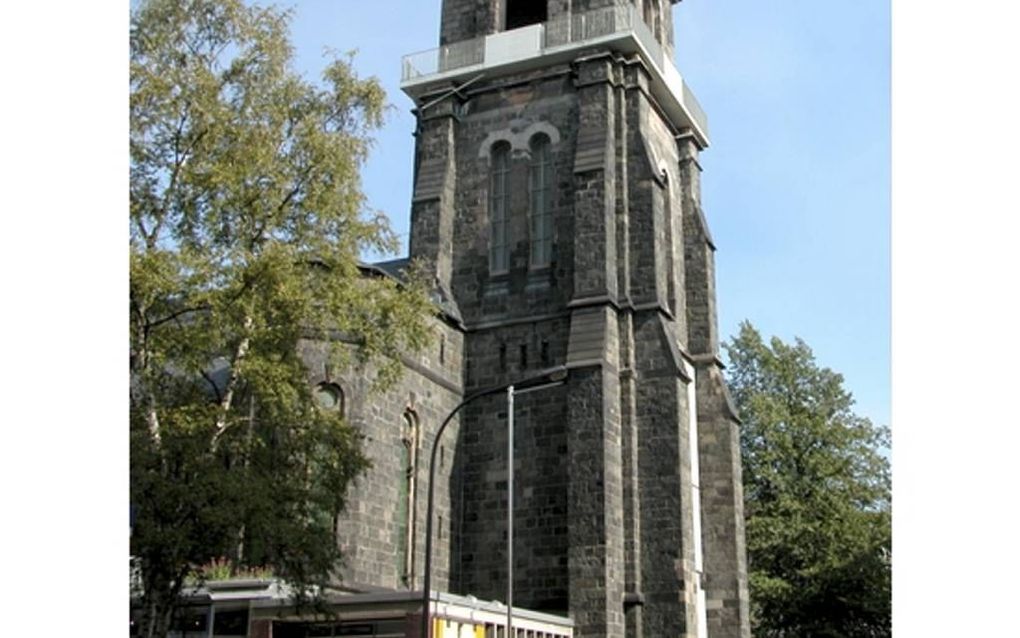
{"type": "Point", "coordinates": [796, 181]}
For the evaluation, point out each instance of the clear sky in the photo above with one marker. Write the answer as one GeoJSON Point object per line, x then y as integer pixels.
{"type": "Point", "coordinates": [796, 181]}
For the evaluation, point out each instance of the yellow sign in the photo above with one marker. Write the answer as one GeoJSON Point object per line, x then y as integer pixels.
{"type": "Point", "coordinates": [442, 628]}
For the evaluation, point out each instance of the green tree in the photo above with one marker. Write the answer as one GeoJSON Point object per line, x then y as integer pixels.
{"type": "Point", "coordinates": [817, 495]}
{"type": "Point", "coordinates": [246, 224]}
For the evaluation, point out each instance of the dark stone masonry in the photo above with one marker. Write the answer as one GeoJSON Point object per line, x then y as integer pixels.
{"type": "Point", "coordinates": [628, 511]}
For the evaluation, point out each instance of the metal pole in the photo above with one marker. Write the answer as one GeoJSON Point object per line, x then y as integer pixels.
{"type": "Point", "coordinates": [510, 511]}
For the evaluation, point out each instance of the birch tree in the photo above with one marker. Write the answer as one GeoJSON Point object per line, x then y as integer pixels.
{"type": "Point", "coordinates": [247, 220]}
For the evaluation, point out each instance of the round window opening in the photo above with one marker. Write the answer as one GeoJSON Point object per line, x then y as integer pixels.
{"type": "Point", "coordinates": [328, 396]}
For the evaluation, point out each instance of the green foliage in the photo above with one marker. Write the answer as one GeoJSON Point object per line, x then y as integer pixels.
{"type": "Point", "coordinates": [224, 569]}
{"type": "Point", "coordinates": [246, 223]}
{"type": "Point", "coordinates": [817, 495]}
{"type": "Point", "coordinates": [218, 569]}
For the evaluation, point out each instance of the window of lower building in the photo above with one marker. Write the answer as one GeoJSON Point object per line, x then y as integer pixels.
{"type": "Point", "coordinates": [190, 622]}
{"type": "Point", "coordinates": [232, 622]}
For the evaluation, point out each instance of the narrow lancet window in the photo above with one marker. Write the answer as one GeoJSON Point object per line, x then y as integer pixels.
{"type": "Point", "coordinates": [540, 178]}
{"type": "Point", "coordinates": [405, 506]}
{"type": "Point", "coordinates": [499, 209]}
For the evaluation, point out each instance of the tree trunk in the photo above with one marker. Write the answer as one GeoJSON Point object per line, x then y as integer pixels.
{"type": "Point", "coordinates": [228, 395]}
{"type": "Point", "coordinates": [245, 463]}
{"type": "Point", "coordinates": [156, 611]}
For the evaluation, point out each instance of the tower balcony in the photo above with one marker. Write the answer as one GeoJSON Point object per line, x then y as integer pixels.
{"type": "Point", "coordinates": [559, 40]}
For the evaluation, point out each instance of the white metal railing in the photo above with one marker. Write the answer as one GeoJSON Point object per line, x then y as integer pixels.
{"type": "Point", "coordinates": [445, 58]}
{"type": "Point", "coordinates": [692, 104]}
{"type": "Point", "coordinates": [647, 40]}
{"type": "Point", "coordinates": [563, 31]}
{"type": "Point", "coordinates": [578, 27]}
{"type": "Point", "coordinates": [566, 29]}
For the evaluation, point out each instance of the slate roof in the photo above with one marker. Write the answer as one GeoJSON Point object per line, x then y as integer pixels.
{"type": "Point", "coordinates": [395, 269]}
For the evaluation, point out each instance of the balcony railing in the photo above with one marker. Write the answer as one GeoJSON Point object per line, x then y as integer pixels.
{"type": "Point", "coordinates": [446, 58]}
{"type": "Point", "coordinates": [589, 25]}
{"type": "Point", "coordinates": [563, 33]}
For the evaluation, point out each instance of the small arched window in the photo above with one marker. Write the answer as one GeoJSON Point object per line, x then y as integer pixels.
{"type": "Point", "coordinates": [329, 396]}
{"type": "Point", "coordinates": [499, 208]}
{"type": "Point", "coordinates": [540, 178]}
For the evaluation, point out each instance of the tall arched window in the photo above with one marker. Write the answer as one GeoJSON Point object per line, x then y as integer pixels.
{"type": "Point", "coordinates": [499, 208]}
{"type": "Point", "coordinates": [540, 178]}
{"type": "Point", "coordinates": [674, 235]}
{"type": "Point", "coordinates": [409, 439]}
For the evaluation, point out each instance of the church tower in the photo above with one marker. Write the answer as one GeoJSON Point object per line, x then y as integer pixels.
{"type": "Point", "coordinates": [557, 205]}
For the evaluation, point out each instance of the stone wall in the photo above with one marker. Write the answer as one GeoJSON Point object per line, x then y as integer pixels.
{"type": "Point", "coordinates": [429, 388]}
{"type": "Point", "coordinates": [540, 490]}
{"type": "Point", "coordinates": [512, 112]}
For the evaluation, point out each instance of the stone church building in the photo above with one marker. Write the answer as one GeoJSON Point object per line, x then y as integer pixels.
{"type": "Point", "coordinates": [556, 203]}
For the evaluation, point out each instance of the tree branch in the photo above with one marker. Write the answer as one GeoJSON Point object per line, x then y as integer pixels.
{"type": "Point", "coordinates": [212, 384]}
{"type": "Point", "coordinates": [174, 315]}
{"type": "Point", "coordinates": [180, 157]}
{"type": "Point", "coordinates": [142, 365]}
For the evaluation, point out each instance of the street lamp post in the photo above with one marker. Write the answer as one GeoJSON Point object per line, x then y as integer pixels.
{"type": "Point", "coordinates": [544, 379]}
